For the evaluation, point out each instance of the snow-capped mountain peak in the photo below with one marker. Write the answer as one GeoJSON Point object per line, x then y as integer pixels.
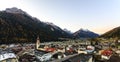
{"type": "Point", "coordinates": [84, 30]}
{"type": "Point", "coordinates": [14, 10]}
{"type": "Point", "coordinates": [85, 33]}
{"type": "Point", "coordinates": [68, 31]}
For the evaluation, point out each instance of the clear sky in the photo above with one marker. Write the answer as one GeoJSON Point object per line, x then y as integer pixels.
{"type": "Point", "coordinates": [96, 15]}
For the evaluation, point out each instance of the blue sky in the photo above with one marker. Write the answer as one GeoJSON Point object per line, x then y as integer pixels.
{"type": "Point", "coordinates": [96, 15]}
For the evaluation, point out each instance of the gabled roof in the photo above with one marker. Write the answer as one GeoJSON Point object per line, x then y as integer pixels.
{"type": "Point", "coordinates": [7, 56]}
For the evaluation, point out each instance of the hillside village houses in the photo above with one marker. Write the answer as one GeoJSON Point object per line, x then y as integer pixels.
{"type": "Point", "coordinates": [57, 50]}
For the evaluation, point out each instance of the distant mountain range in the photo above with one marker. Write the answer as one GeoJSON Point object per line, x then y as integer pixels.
{"type": "Point", "coordinates": [114, 33]}
{"type": "Point", "coordinates": [18, 26]}
{"type": "Point", "coordinates": [82, 33]}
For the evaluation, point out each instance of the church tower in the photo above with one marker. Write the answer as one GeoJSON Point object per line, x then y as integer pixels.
{"type": "Point", "coordinates": [37, 42]}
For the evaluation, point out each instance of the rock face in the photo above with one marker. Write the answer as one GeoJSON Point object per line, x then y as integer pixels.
{"type": "Point", "coordinates": [114, 33]}
{"type": "Point", "coordinates": [84, 34]}
{"type": "Point", "coordinates": [17, 26]}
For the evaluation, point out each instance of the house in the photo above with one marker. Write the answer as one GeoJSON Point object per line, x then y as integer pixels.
{"type": "Point", "coordinates": [8, 57]}
{"type": "Point", "coordinates": [51, 56]}
{"type": "Point", "coordinates": [76, 58]}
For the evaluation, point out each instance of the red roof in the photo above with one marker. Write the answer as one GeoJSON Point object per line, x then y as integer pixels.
{"type": "Point", "coordinates": [50, 49]}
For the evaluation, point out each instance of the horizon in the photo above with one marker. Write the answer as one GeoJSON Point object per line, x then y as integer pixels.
{"type": "Point", "coordinates": [97, 16]}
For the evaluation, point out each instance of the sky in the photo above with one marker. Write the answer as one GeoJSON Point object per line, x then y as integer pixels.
{"type": "Point", "coordinates": [98, 16]}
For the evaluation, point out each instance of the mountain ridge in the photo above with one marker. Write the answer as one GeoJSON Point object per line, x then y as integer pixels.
{"type": "Point", "coordinates": [113, 33]}
{"type": "Point", "coordinates": [82, 33]}
{"type": "Point", "coordinates": [19, 27]}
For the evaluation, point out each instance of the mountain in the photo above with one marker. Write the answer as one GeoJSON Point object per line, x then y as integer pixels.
{"type": "Point", "coordinates": [68, 31]}
{"type": "Point", "coordinates": [84, 34]}
{"type": "Point", "coordinates": [114, 33]}
{"type": "Point", "coordinates": [15, 10]}
{"type": "Point", "coordinates": [18, 26]}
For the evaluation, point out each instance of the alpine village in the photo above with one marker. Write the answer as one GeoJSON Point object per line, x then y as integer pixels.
{"type": "Point", "coordinates": [24, 38]}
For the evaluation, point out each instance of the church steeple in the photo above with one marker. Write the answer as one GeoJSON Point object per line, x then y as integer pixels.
{"type": "Point", "coordinates": [37, 42]}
